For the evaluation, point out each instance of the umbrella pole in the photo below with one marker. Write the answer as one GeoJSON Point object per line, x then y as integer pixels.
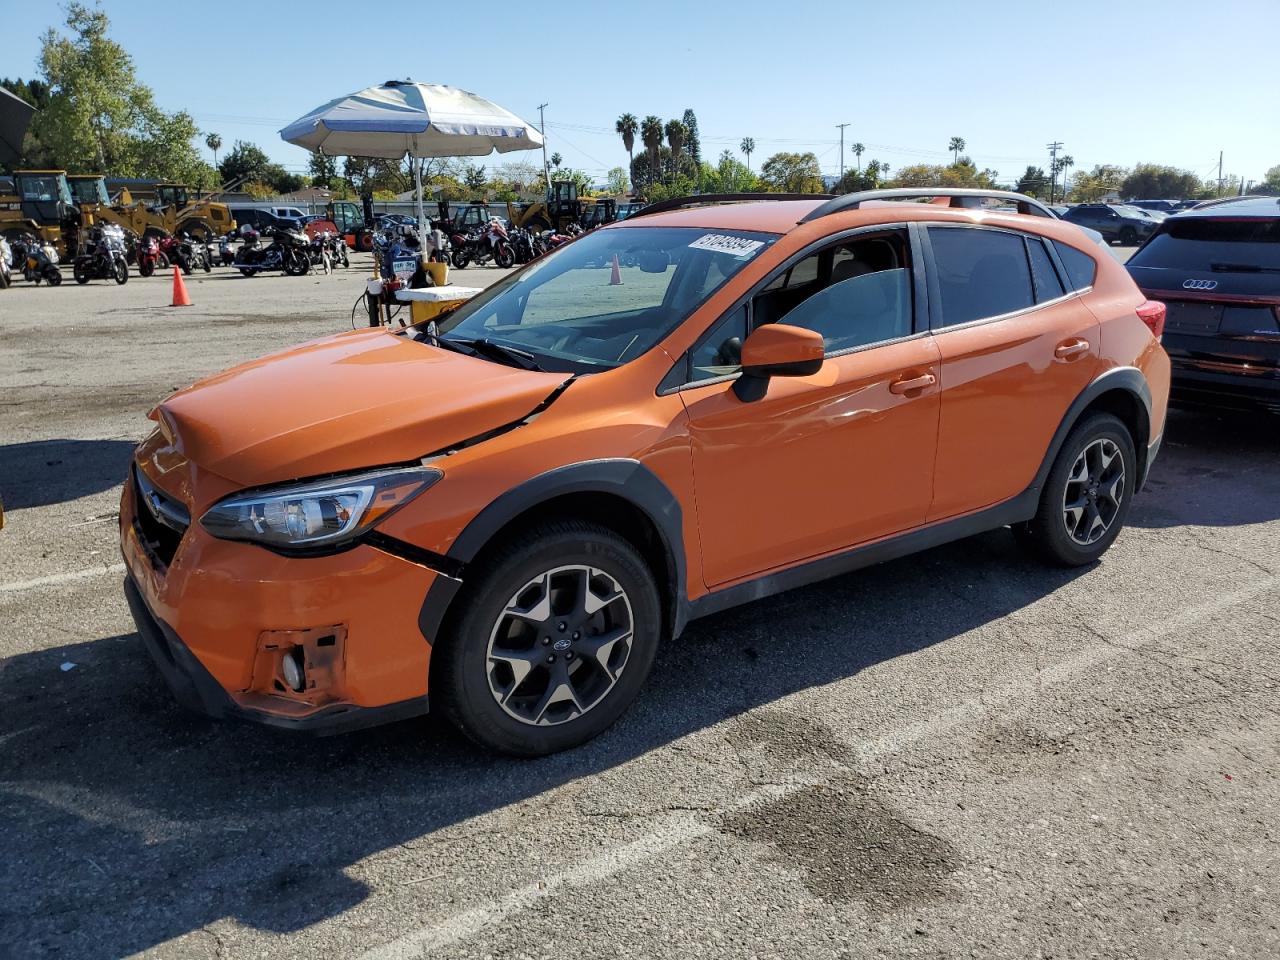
{"type": "Point", "coordinates": [417, 183]}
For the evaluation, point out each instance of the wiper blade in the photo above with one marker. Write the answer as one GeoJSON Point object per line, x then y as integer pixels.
{"type": "Point", "coordinates": [500, 352]}
{"type": "Point", "coordinates": [1223, 267]}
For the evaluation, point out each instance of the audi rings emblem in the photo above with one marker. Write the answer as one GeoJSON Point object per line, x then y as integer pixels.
{"type": "Point", "coordinates": [1199, 284]}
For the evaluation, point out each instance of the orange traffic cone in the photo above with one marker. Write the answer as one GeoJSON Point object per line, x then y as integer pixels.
{"type": "Point", "coordinates": [180, 298]}
{"type": "Point", "coordinates": [616, 279]}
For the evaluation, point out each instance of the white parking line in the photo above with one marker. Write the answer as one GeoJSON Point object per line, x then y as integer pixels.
{"type": "Point", "coordinates": [677, 828]}
{"type": "Point", "coordinates": [57, 579]}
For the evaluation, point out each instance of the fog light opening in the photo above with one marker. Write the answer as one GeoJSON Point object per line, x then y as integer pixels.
{"type": "Point", "coordinates": [291, 667]}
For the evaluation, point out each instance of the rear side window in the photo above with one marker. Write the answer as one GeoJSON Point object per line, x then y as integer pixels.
{"type": "Point", "coordinates": [1043, 274]}
{"type": "Point", "coordinates": [980, 273]}
{"type": "Point", "coordinates": [1080, 267]}
{"type": "Point", "coordinates": [1228, 246]}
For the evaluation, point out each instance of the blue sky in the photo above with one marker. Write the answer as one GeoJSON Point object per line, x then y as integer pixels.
{"type": "Point", "coordinates": [1116, 82]}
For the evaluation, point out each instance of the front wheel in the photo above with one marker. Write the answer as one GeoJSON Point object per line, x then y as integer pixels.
{"type": "Point", "coordinates": [246, 272]}
{"type": "Point", "coordinates": [187, 268]}
{"type": "Point", "coordinates": [460, 259]}
{"type": "Point", "coordinates": [556, 637]}
{"type": "Point", "coordinates": [1087, 495]}
{"type": "Point", "coordinates": [80, 270]}
{"type": "Point", "coordinates": [342, 255]}
{"type": "Point", "coordinates": [121, 272]}
{"type": "Point", "coordinates": [295, 264]}
{"type": "Point", "coordinates": [504, 256]}
{"type": "Point", "coordinates": [146, 268]}
{"type": "Point", "coordinates": [53, 276]}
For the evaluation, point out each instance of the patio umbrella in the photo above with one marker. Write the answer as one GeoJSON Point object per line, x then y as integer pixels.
{"type": "Point", "coordinates": [421, 120]}
{"type": "Point", "coordinates": [15, 117]}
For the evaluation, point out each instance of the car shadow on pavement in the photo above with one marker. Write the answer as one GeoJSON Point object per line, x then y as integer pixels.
{"type": "Point", "coordinates": [1216, 468]}
{"type": "Point", "coordinates": [126, 822]}
{"type": "Point", "coordinates": [44, 472]}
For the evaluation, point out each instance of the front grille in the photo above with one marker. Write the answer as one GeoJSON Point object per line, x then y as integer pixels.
{"type": "Point", "coordinates": [159, 520]}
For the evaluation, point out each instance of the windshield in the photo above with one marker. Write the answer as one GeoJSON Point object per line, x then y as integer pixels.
{"type": "Point", "coordinates": [89, 191]}
{"type": "Point", "coordinates": [45, 188]}
{"type": "Point", "coordinates": [608, 297]}
{"type": "Point", "coordinates": [1200, 243]}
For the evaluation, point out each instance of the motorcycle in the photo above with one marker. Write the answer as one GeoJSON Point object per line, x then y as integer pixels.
{"type": "Point", "coordinates": [479, 246]}
{"type": "Point", "coordinates": [102, 256]}
{"type": "Point", "coordinates": [178, 252]}
{"type": "Point", "coordinates": [6, 273]}
{"type": "Point", "coordinates": [226, 253]}
{"type": "Point", "coordinates": [522, 245]}
{"type": "Point", "coordinates": [39, 259]}
{"type": "Point", "coordinates": [287, 251]}
{"type": "Point", "coordinates": [149, 256]}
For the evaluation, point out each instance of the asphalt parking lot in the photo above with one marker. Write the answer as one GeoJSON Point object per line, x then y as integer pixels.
{"type": "Point", "coordinates": [956, 754]}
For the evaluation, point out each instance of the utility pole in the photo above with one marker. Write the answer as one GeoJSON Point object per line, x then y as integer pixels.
{"type": "Point", "coordinates": [542, 129]}
{"type": "Point", "coordinates": [841, 127]}
{"type": "Point", "coordinates": [1219, 173]}
{"type": "Point", "coordinates": [1053, 149]}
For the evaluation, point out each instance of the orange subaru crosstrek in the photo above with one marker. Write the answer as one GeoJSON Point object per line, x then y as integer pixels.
{"type": "Point", "coordinates": [703, 405]}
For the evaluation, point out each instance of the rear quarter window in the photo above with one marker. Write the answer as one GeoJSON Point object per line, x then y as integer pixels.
{"type": "Point", "coordinates": [1081, 268]}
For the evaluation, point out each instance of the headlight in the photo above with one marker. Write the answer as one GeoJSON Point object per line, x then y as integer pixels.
{"type": "Point", "coordinates": [324, 513]}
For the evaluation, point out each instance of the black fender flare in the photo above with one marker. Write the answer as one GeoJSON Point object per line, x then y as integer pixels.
{"type": "Point", "coordinates": [627, 479]}
{"type": "Point", "coordinates": [1129, 379]}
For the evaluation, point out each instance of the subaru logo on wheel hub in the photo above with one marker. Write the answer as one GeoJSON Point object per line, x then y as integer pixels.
{"type": "Point", "coordinates": [1199, 284]}
{"type": "Point", "coordinates": [561, 644]}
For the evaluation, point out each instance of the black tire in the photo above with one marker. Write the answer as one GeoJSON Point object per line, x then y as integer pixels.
{"type": "Point", "coordinates": [1048, 535]}
{"type": "Point", "coordinates": [187, 268]}
{"type": "Point", "coordinates": [246, 272]}
{"type": "Point", "coordinates": [460, 670]}
{"type": "Point", "coordinates": [460, 259]}
{"type": "Point", "coordinates": [296, 264]}
{"type": "Point", "coordinates": [504, 256]}
{"type": "Point", "coordinates": [80, 270]}
{"type": "Point", "coordinates": [54, 277]}
{"type": "Point", "coordinates": [162, 261]}
{"type": "Point", "coordinates": [208, 264]}
{"type": "Point", "coordinates": [342, 254]}
{"type": "Point", "coordinates": [146, 268]}
{"type": "Point", "coordinates": [1128, 237]}
{"type": "Point", "coordinates": [121, 272]}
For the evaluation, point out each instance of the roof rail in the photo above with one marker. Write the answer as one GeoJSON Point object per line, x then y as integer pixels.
{"type": "Point", "coordinates": [678, 203]}
{"type": "Point", "coordinates": [960, 197]}
{"type": "Point", "coordinates": [1218, 201]}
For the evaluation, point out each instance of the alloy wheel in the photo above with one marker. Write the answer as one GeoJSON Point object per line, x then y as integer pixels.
{"type": "Point", "coordinates": [1094, 491]}
{"type": "Point", "coordinates": [560, 645]}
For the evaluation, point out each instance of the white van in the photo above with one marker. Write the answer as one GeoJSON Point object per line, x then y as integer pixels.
{"type": "Point", "coordinates": [289, 213]}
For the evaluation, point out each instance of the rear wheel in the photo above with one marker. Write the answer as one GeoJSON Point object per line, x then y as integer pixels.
{"type": "Point", "coordinates": [1128, 237]}
{"type": "Point", "coordinates": [1087, 495]}
{"type": "Point", "coordinates": [557, 634]}
{"type": "Point", "coordinates": [460, 259]}
{"type": "Point", "coordinates": [80, 270]}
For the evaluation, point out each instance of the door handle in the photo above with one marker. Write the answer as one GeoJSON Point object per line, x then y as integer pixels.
{"type": "Point", "coordinates": [1071, 348]}
{"type": "Point", "coordinates": [913, 383]}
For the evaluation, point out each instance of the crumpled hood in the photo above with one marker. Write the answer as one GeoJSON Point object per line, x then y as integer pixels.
{"type": "Point", "coordinates": [343, 403]}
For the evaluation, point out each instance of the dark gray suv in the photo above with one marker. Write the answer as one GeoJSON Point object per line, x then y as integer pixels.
{"type": "Point", "coordinates": [1117, 224]}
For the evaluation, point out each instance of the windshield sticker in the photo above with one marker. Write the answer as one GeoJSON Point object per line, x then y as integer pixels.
{"type": "Point", "coordinates": [734, 246]}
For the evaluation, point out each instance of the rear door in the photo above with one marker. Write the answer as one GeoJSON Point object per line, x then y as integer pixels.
{"type": "Point", "coordinates": [1017, 345]}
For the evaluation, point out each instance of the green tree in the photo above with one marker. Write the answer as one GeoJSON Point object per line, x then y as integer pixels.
{"type": "Point", "coordinates": [854, 180]}
{"type": "Point", "coordinates": [556, 160]}
{"type": "Point", "coordinates": [1033, 182]}
{"type": "Point", "coordinates": [1090, 185]}
{"type": "Point", "coordinates": [651, 136]}
{"type": "Point", "coordinates": [955, 146]}
{"type": "Point", "coordinates": [748, 146]}
{"type": "Point", "coordinates": [474, 179]}
{"type": "Point", "coordinates": [324, 170]}
{"type": "Point", "coordinates": [616, 181]}
{"type": "Point", "coordinates": [856, 150]}
{"type": "Point", "coordinates": [627, 126]}
{"type": "Point", "coordinates": [692, 142]}
{"type": "Point", "coordinates": [792, 173]}
{"type": "Point", "coordinates": [1153, 181]}
{"type": "Point", "coordinates": [213, 142]}
{"type": "Point", "coordinates": [729, 175]}
{"type": "Point", "coordinates": [962, 173]}
{"type": "Point", "coordinates": [1270, 184]}
{"type": "Point", "coordinates": [98, 116]}
{"type": "Point", "coordinates": [676, 133]}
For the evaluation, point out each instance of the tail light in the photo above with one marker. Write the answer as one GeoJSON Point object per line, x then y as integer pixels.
{"type": "Point", "coordinates": [1151, 312]}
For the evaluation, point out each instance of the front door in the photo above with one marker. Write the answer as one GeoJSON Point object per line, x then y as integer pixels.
{"type": "Point", "coordinates": [825, 462]}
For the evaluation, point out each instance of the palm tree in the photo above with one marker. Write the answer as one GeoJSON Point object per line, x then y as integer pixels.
{"type": "Point", "coordinates": [651, 136]}
{"type": "Point", "coordinates": [1064, 161]}
{"type": "Point", "coordinates": [556, 160]}
{"type": "Point", "coordinates": [748, 147]}
{"type": "Point", "coordinates": [857, 149]}
{"type": "Point", "coordinates": [213, 142]}
{"type": "Point", "coordinates": [676, 132]}
{"type": "Point", "coordinates": [626, 127]}
{"type": "Point", "coordinates": [956, 145]}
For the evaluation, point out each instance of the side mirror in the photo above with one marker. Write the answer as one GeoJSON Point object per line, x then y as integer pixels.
{"type": "Point", "coordinates": [777, 350]}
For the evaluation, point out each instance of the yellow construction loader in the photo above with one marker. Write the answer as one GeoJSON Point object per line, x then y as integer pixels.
{"type": "Point", "coordinates": [39, 202]}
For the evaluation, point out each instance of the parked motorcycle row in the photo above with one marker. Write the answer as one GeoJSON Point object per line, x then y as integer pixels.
{"type": "Point", "coordinates": [505, 247]}
{"type": "Point", "coordinates": [290, 251]}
